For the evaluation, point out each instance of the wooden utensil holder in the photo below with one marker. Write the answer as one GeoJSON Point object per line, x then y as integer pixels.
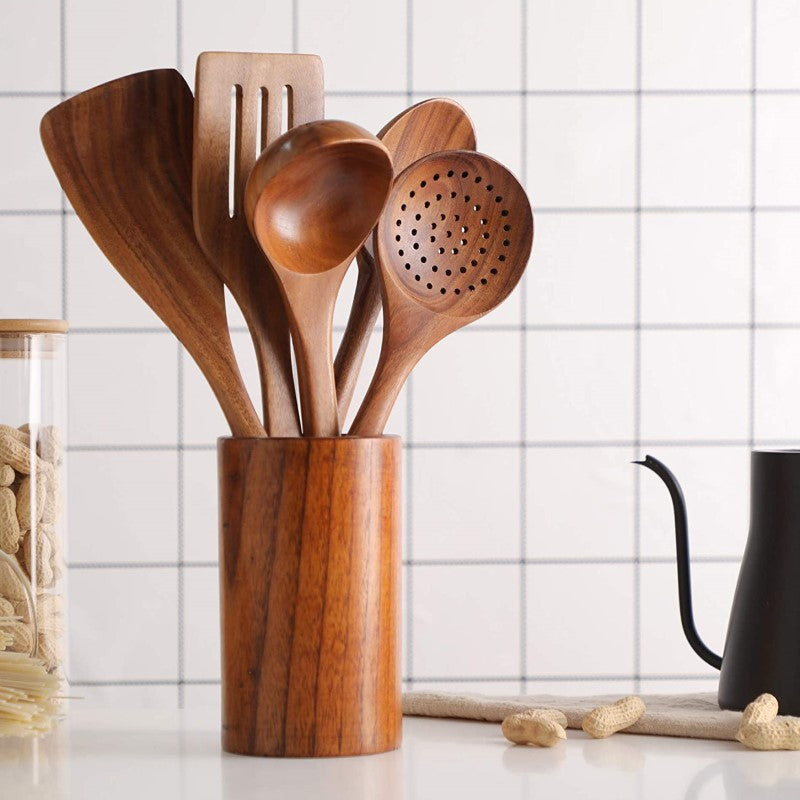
{"type": "Point", "coordinates": [309, 590]}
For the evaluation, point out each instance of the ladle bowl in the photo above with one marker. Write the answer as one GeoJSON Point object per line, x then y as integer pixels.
{"type": "Point", "coordinates": [311, 200]}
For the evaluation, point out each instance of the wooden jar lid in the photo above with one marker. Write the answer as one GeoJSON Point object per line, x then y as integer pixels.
{"type": "Point", "coordinates": [33, 326]}
{"type": "Point", "coordinates": [15, 341]}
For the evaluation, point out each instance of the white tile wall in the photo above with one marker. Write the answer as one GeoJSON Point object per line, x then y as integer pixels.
{"type": "Point", "coordinates": [363, 44]}
{"type": "Point", "coordinates": [581, 150]}
{"type": "Point", "coordinates": [467, 503]}
{"type": "Point", "coordinates": [695, 150]}
{"type": "Point", "coordinates": [123, 623]}
{"type": "Point", "coordinates": [106, 40]}
{"type": "Point", "coordinates": [487, 408]}
{"type": "Point", "coordinates": [32, 251]}
{"type": "Point", "coordinates": [124, 506]}
{"type": "Point", "coordinates": [580, 257]}
{"type": "Point", "coordinates": [28, 182]}
{"type": "Point", "coordinates": [201, 623]}
{"type": "Point", "coordinates": [660, 315]}
{"type": "Point", "coordinates": [22, 44]}
{"type": "Point", "coordinates": [573, 45]}
{"type": "Point", "coordinates": [777, 241]}
{"type": "Point", "coordinates": [92, 277]}
{"type": "Point", "coordinates": [123, 389]}
{"type": "Point", "coordinates": [714, 365]}
{"type": "Point", "coordinates": [778, 26]}
{"type": "Point", "coordinates": [777, 383]}
{"type": "Point", "coordinates": [466, 46]}
{"type": "Point", "coordinates": [594, 607]}
{"type": "Point", "coordinates": [246, 25]}
{"type": "Point", "coordinates": [777, 129]}
{"type": "Point", "coordinates": [580, 503]}
{"type": "Point", "coordinates": [486, 599]}
{"type": "Point", "coordinates": [695, 268]}
{"type": "Point", "coordinates": [688, 44]}
{"type": "Point", "coordinates": [580, 385]}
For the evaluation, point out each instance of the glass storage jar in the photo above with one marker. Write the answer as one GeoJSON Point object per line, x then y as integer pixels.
{"type": "Point", "coordinates": [33, 415]}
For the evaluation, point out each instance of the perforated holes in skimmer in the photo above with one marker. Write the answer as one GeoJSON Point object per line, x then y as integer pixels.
{"type": "Point", "coordinates": [455, 223]}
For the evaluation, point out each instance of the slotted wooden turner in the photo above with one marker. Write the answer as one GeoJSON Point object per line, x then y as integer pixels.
{"type": "Point", "coordinates": [246, 89]}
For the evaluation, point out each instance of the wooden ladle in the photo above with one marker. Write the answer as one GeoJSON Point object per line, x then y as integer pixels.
{"type": "Point", "coordinates": [311, 201]}
{"type": "Point", "coordinates": [451, 245]}
{"type": "Point", "coordinates": [123, 155]}
{"type": "Point", "coordinates": [427, 127]}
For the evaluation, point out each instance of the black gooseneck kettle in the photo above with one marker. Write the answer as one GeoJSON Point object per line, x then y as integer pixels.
{"type": "Point", "coordinates": [762, 647]}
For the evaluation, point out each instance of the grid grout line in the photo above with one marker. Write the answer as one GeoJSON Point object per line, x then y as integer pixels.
{"type": "Point", "coordinates": [181, 637]}
{"type": "Point", "coordinates": [409, 457]}
{"type": "Point", "coordinates": [407, 445]}
{"type": "Point", "coordinates": [766, 208]}
{"type": "Point", "coordinates": [444, 679]}
{"type": "Point", "coordinates": [637, 365]}
{"type": "Point", "coordinates": [488, 93]}
{"type": "Point", "coordinates": [430, 562]}
{"type": "Point", "coordinates": [62, 55]}
{"type": "Point", "coordinates": [752, 298]}
{"type": "Point", "coordinates": [508, 328]}
{"type": "Point", "coordinates": [181, 653]}
{"type": "Point", "coordinates": [523, 376]}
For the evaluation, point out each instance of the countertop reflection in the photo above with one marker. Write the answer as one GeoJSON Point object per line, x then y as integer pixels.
{"type": "Point", "coordinates": [150, 755]}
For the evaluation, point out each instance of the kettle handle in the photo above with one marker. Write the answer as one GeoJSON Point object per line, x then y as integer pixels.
{"type": "Point", "coordinates": [682, 549]}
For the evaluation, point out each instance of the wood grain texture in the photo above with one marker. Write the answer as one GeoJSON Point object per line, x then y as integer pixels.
{"type": "Point", "coordinates": [259, 80]}
{"type": "Point", "coordinates": [123, 154]}
{"type": "Point", "coordinates": [427, 127]}
{"type": "Point", "coordinates": [33, 326]}
{"type": "Point", "coordinates": [311, 200]}
{"type": "Point", "coordinates": [309, 583]}
{"type": "Point", "coordinates": [452, 243]}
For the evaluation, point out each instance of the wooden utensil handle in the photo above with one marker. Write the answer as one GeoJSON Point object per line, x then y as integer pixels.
{"type": "Point", "coordinates": [311, 322]}
{"type": "Point", "coordinates": [309, 583]}
{"type": "Point", "coordinates": [273, 354]}
{"type": "Point", "coordinates": [353, 347]}
{"type": "Point", "coordinates": [317, 383]}
{"type": "Point", "coordinates": [394, 366]}
{"type": "Point", "coordinates": [236, 405]}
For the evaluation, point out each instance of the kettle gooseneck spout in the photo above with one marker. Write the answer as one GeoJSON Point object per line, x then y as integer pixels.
{"type": "Point", "coordinates": [682, 548]}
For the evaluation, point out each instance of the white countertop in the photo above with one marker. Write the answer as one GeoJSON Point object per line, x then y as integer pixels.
{"type": "Point", "coordinates": [149, 755]}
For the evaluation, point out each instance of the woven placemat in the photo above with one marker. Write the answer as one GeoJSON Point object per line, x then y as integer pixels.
{"type": "Point", "coordinates": [696, 716]}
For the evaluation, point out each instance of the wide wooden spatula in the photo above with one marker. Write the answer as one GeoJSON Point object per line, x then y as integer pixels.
{"type": "Point", "coordinates": [240, 109]}
{"type": "Point", "coordinates": [123, 154]}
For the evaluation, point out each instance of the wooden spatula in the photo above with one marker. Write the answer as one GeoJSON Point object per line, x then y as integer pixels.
{"type": "Point", "coordinates": [123, 154]}
{"type": "Point", "coordinates": [238, 113]}
{"type": "Point", "coordinates": [427, 127]}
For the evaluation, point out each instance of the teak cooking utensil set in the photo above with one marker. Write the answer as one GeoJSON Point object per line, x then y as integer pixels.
{"type": "Point", "coordinates": [185, 196]}
{"type": "Point", "coordinates": [128, 176]}
{"type": "Point", "coordinates": [189, 195]}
